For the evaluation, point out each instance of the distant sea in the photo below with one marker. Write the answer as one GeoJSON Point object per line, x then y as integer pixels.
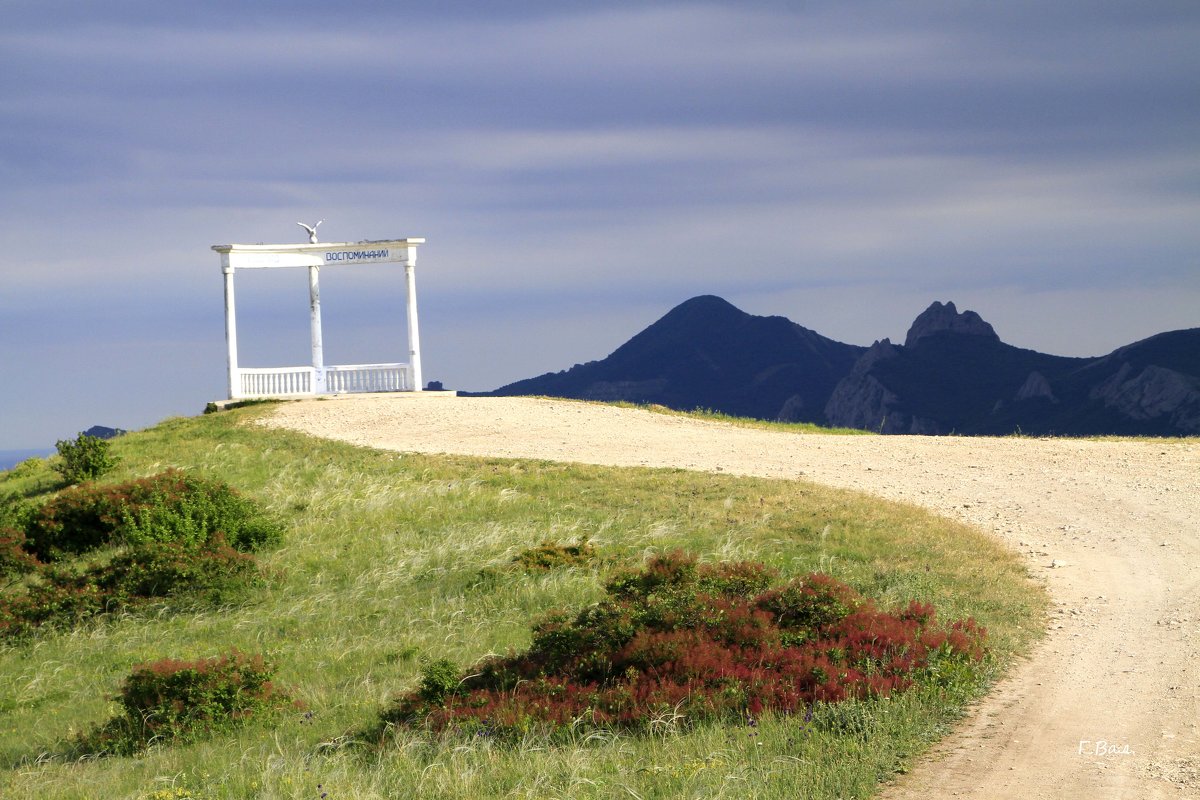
{"type": "Point", "coordinates": [10, 458]}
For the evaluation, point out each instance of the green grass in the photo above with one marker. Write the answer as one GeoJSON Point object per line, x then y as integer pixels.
{"type": "Point", "coordinates": [744, 422]}
{"type": "Point", "coordinates": [390, 560]}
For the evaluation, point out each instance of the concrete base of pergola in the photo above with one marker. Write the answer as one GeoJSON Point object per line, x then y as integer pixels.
{"type": "Point", "coordinates": [425, 394]}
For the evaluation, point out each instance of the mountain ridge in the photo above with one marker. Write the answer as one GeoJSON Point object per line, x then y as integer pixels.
{"type": "Point", "coordinates": [706, 353]}
{"type": "Point", "coordinates": [953, 374]}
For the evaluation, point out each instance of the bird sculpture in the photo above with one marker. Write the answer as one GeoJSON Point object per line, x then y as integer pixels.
{"type": "Point", "coordinates": [312, 231]}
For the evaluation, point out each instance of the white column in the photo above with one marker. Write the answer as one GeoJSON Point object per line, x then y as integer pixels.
{"type": "Point", "coordinates": [235, 382]}
{"type": "Point", "coordinates": [318, 354]}
{"type": "Point", "coordinates": [414, 336]}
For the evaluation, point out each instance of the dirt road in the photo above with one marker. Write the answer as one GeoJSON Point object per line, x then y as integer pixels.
{"type": "Point", "coordinates": [1108, 705]}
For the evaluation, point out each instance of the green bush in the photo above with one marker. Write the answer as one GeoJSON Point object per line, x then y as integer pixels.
{"type": "Point", "coordinates": [552, 555]}
{"type": "Point", "coordinates": [190, 510]}
{"type": "Point", "coordinates": [172, 506]}
{"type": "Point", "coordinates": [736, 578]}
{"type": "Point", "coordinates": [184, 700]}
{"type": "Point", "coordinates": [811, 603]}
{"type": "Point", "coordinates": [439, 679]}
{"type": "Point", "coordinates": [214, 574]}
{"type": "Point", "coordinates": [15, 512]}
{"type": "Point", "coordinates": [63, 597]}
{"type": "Point", "coordinates": [84, 459]}
{"type": "Point", "coordinates": [173, 536]}
{"type": "Point", "coordinates": [665, 575]}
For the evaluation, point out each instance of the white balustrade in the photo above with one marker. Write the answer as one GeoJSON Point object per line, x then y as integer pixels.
{"type": "Point", "coordinates": [345, 379]}
{"type": "Point", "coordinates": [276, 381]}
{"type": "Point", "coordinates": [368, 378]}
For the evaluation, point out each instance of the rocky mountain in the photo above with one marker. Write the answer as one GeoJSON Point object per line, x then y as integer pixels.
{"type": "Point", "coordinates": [953, 374]}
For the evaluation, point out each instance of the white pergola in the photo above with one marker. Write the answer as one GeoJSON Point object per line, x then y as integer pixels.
{"type": "Point", "coordinates": [320, 378]}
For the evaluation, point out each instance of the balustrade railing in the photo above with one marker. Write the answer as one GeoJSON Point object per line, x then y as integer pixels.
{"type": "Point", "coordinates": [368, 378]}
{"type": "Point", "coordinates": [276, 381]}
{"type": "Point", "coordinates": [344, 379]}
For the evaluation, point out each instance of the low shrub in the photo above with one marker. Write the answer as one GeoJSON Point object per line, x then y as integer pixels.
{"type": "Point", "coordinates": [15, 558]}
{"type": "Point", "coordinates": [64, 597]}
{"type": "Point", "coordinates": [553, 555]}
{"type": "Point", "coordinates": [173, 536]}
{"type": "Point", "coordinates": [698, 642]}
{"type": "Point", "coordinates": [184, 700]}
{"type": "Point", "coordinates": [213, 574]}
{"type": "Point", "coordinates": [15, 512]}
{"type": "Point", "coordinates": [439, 678]}
{"type": "Point", "coordinates": [811, 603]}
{"type": "Point", "coordinates": [172, 506]}
{"type": "Point", "coordinates": [30, 468]}
{"type": "Point", "coordinates": [736, 578]}
{"type": "Point", "coordinates": [83, 459]}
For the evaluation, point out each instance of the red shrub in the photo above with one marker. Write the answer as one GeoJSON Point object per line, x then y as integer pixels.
{"type": "Point", "coordinates": [15, 557]}
{"type": "Point", "coordinates": [701, 642]}
{"type": "Point", "coordinates": [171, 698]}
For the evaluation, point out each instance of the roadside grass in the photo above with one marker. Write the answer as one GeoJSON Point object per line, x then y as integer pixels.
{"type": "Point", "coordinates": [391, 560]}
{"type": "Point", "coordinates": [743, 422]}
{"type": "Point", "coordinates": [1106, 437]}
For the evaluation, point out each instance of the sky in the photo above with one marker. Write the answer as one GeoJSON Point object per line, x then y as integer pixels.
{"type": "Point", "coordinates": [577, 169]}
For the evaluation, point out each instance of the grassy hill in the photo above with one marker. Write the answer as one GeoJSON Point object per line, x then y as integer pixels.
{"type": "Point", "coordinates": [392, 560]}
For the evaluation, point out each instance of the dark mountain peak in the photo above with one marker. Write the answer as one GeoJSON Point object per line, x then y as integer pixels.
{"type": "Point", "coordinates": [941, 317]}
{"type": "Point", "coordinates": [707, 353]}
{"type": "Point", "coordinates": [706, 319]}
{"type": "Point", "coordinates": [706, 308]}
